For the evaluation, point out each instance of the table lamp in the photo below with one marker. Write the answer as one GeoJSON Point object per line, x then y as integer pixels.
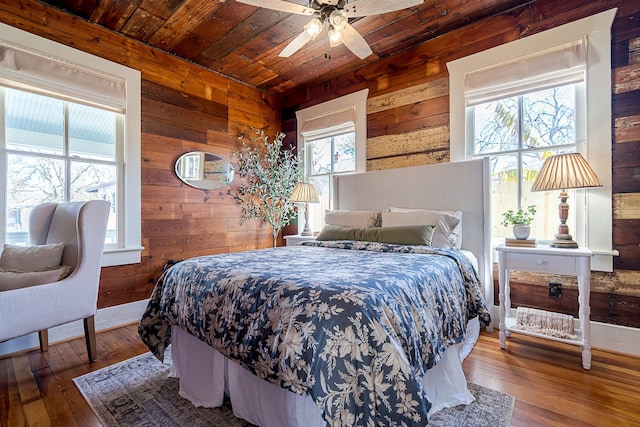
{"type": "Point", "coordinates": [305, 193]}
{"type": "Point", "coordinates": [563, 172]}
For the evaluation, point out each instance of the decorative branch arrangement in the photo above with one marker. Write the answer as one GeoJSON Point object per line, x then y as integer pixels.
{"type": "Point", "coordinates": [269, 176]}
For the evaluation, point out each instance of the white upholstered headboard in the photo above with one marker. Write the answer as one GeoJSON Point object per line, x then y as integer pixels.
{"type": "Point", "coordinates": [463, 186]}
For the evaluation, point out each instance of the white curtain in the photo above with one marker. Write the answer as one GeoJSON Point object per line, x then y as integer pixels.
{"type": "Point", "coordinates": [26, 69]}
{"type": "Point", "coordinates": [539, 70]}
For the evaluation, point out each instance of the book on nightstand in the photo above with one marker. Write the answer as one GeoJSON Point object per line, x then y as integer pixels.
{"type": "Point", "coordinates": [521, 243]}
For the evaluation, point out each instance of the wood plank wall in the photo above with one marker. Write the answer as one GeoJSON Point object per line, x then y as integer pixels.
{"type": "Point", "coordinates": [184, 108]}
{"type": "Point", "coordinates": [408, 124]}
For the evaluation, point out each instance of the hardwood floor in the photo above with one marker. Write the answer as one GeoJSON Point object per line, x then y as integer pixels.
{"type": "Point", "coordinates": [550, 385]}
{"type": "Point", "coordinates": [547, 379]}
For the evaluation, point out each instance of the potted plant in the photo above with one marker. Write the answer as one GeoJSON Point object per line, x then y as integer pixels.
{"type": "Point", "coordinates": [520, 220]}
{"type": "Point", "coordinates": [269, 176]}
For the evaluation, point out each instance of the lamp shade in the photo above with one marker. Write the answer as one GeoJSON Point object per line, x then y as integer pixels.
{"type": "Point", "coordinates": [565, 171]}
{"type": "Point", "coordinates": [304, 193]}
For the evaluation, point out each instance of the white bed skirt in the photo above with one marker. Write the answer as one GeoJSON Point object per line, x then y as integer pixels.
{"type": "Point", "coordinates": [206, 376]}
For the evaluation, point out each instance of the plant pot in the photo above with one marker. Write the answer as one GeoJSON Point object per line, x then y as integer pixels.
{"type": "Point", "coordinates": [521, 231]}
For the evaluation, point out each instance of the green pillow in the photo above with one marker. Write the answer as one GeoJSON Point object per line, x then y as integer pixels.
{"type": "Point", "coordinates": [398, 235]}
{"type": "Point", "coordinates": [337, 232]}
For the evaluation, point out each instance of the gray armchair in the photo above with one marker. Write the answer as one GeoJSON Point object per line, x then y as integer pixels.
{"type": "Point", "coordinates": [82, 227]}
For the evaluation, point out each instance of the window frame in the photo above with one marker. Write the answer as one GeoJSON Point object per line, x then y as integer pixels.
{"type": "Point", "coordinates": [129, 219]}
{"type": "Point", "coordinates": [594, 215]}
{"type": "Point", "coordinates": [351, 107]}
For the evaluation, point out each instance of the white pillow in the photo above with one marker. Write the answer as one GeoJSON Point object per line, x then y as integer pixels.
{"type": "Point", "coordinates": [448, 232]}
{"type": "Point", "coordinates": [347, 218]}
{"type": "Point", "coordinates": [31, 258]}
{"type": "Point", "coordinates": [19, 279]}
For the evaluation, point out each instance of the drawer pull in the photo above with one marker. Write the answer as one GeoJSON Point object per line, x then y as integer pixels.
{"type": "Point", "coordinates": [540, 262]}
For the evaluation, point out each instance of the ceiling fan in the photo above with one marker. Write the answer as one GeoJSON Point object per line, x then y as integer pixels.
{"type": "Point", "coordinates": [336, 13]}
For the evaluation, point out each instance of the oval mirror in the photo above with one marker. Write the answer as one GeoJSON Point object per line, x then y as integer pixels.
{"type": "Point", "coordinates": [204, 170]}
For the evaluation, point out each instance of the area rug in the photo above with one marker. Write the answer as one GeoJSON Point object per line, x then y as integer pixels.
{"type": "Point", "coordinates": [139, 392]}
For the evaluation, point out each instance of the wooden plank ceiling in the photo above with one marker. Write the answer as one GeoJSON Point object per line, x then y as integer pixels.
{"type": "Point", "coordinates": [243, 42]}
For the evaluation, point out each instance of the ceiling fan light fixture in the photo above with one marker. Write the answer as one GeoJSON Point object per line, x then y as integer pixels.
{"type": "Point", "coordinates": [335, 37]}
{"type": "Point", "coordinates": [337, 13]}
{"type": "Point", "coordinates": [338, 19]}
{"type": "Point", "coordinates": [313, 28]}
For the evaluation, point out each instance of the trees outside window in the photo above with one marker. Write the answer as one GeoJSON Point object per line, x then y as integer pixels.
{"type": "Point", "coordinates": [518, 133]}
{"type": "Point", "coordinates": [56, 151]}
{"type": "Point", "coordinates": [327, 157]}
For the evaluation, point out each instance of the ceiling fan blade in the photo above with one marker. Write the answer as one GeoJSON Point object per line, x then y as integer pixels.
{"type": "Point", "coordinates": [355, 42]}
{"type": "Point", "coordinates": [375, 7]}
{"type": "Point", "coordinates": [280, 6]}
{"type": "Point", "coordinates": [295, 45]}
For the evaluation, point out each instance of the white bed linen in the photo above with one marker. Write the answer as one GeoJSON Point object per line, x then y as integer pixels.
{"type": "Point", "coordinates": [206, 376]}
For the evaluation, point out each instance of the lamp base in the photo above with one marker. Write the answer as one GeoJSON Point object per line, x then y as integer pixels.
{"type": "Point", "coordinates": [564, 241]}
{"type": "Point", "coordinates": [563, 238]}
{"type": "Point", "coordinates": [306, 231]}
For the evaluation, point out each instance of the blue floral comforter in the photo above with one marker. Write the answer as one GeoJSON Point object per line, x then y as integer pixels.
{"type": "Point", "coordinates": [354, 325]}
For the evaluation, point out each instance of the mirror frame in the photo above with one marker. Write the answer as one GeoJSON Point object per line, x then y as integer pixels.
{"type": "Point", "coordinates": [204, 170]}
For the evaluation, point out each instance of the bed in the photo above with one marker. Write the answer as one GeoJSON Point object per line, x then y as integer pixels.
{"type": "Point", "coordinates": [335, 332]}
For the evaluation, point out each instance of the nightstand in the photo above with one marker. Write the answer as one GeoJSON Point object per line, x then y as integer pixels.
{"type": "Point", "coordinates": [545, 259]}
{"type": "Point", "coordinates": [296, 239]}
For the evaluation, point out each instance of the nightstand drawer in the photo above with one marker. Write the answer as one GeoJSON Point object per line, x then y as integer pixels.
{"type": "Point", "coordinates": [543, 263]}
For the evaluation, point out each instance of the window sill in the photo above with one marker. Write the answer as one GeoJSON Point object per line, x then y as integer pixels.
{"type": "Point", "coordinates": [603, 260]}
{"type": "Point", "coordinates": [121, 256]}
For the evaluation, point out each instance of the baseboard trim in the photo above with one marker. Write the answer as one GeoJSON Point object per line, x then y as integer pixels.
{"type": "Point", "coordinates": [106, 318]}
{"type": "Point", "coordinates": [604, 336]}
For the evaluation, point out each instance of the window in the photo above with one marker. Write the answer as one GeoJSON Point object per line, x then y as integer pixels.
{"type": "Point", "coordinates": [518, 133]}
{"type": "Point", "coordinates": [508, 85]}
{"type": "Point", "coordinates": [325, 158]}
{"type": "Point", "coordinates": [69, 131]}
{"type": "Point", "coordinates": [333, 136]}
{"type": "Point", "coordinates": [57, 151]}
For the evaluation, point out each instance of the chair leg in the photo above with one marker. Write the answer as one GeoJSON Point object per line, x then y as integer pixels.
{"type": "Point", "coordinates": [43, 337]}
{"type": "Point", "coordinates": [90, 338]}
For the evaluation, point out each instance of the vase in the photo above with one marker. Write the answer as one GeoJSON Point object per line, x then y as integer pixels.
{"type": "Point", "coordinates": [521, 231]}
